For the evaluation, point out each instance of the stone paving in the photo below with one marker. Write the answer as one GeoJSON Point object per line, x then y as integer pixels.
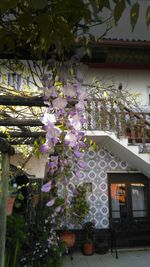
{"type": "Point", "coordinates": [136, 258]}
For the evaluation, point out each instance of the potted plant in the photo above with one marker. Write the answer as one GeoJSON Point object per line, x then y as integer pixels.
{"type": "Point", "coordinates": [75, 213]}
{"type": "Point", "coordinates": [68, 238]}
{"type": "Point", "coordinates": [88, 247]}
{"type": "Point", "coordinates": [11, 198]}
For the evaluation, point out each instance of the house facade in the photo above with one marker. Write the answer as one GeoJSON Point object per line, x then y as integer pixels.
{"type": "Point", "coordinates": [118, 170]}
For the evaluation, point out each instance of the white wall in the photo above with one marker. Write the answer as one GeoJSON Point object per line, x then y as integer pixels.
{"type": "Point", "coordinates": [34, 166]}
{"type": "Point", "coordinates": [132, 80]}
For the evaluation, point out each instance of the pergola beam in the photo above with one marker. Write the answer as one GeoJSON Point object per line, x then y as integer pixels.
{"type": "Point", "coordinates": [24, 129]}
{"type": "Point", "coordinates": [10, 100]}
{"type": "Point", "coordinates": [20, 122]}
{"type": "Point", "coordinates": [30, 101]}
{"type": "Point", "coordinates": [27, 141]}
{"type": "Point", "coordinates": [23, 134]}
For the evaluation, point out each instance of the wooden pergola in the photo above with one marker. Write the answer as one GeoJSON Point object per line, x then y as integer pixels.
{"type": "Point", "coordinates": [22, 134]}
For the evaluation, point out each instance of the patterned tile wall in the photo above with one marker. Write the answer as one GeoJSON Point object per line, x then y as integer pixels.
{"type": "Point", "coordinates": [99, 163]}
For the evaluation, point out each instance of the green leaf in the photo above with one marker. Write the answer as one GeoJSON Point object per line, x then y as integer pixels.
{"type": "Point", "coordinates": [39, 4]}
{"type": "Point", "coordinates": [119, 8]}
{"type": "Point", "coordinates": [25, 19]}
{"type": "Point", "coordinates": [7, 4]}
{"type": "Point", "coordinates": [43, 21]}
{"type": "Point", "coordinates": [148, 16]}
{"type": "Point", "coordinates": [134, 14]}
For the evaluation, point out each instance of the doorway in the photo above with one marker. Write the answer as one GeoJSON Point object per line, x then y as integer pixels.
{"type": "Point", "coordinates": [129, 203]}
{"type": "Point", "coordinates": [128, 196]}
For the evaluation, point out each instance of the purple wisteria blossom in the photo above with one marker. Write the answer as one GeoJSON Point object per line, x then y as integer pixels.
{"type": "Point", "coordinates": [59, 103]}
{"type": "Point", "coordinates": [50, 203]}
{"type": "Point", "coordinates": [80, 106]}
{"type": "Point", "coordinates": [63, 164]}
{"type": "Point", "coordinates": [53, 164]}
{"type": "Point", "coordinates": [51, 92]}
{"type": "Point", "coordinates": [47, 187]}
{"type": "Point", "coordinates": [58, 209]}
{"type": "Point", "coordinates": [52, 136]}
{"type": "Point", "coordinates": [69, 90]}
{"type": "Point", "coordinates": [71, 139]}
{"type": "Point", "coordinates": [63, 123]}
{"type": "Point", "coordinates": [78, 154]}
{"type": "Point", "coordinates": [44, 148]}
{"type": "Point", "coordinates": [48, 119]}
{"type": "Point", "coordinates": [82, 94]}
{"type": "Point", "coordinates": [82, 164]}
{"type": "Point", "coordinates": [75, 121]}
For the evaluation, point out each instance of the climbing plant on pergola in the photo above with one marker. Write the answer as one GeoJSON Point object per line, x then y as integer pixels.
{"type": "Point", "coordinates": [20, 136]}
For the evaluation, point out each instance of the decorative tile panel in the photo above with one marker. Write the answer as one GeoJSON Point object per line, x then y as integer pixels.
{"type": "Point", "coordinates": [98, 164]}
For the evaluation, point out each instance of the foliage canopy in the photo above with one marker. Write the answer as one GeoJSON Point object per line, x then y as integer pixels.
{"type": "Point", "coordinates": [44, 27]}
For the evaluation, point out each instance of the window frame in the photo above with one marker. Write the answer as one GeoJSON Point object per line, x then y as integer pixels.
{"type": "Point", "coordinates": [128, 179]}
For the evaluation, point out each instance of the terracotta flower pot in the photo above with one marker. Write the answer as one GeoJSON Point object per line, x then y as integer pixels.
{"type": "Point", "coordinates": [10, 204]}
{"type": "Point", "coordinates": [68, 238]}
{"type": "Point", "coordinates": [88, 249]}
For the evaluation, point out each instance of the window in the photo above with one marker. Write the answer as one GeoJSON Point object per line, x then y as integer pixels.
{"type": "Point", "coordinates": [118, 199]}
{"type": "Point", "coordinates": [139, 202]}
{"type": "Point", "coordinates": [129, 196]}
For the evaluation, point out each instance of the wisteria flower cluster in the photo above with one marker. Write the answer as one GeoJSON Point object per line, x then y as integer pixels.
{"type": "Point", "coordinates": [63, 122]}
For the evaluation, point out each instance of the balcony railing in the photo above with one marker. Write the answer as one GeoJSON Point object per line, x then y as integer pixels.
{"type": "Point", "coordinates": [111, 115]}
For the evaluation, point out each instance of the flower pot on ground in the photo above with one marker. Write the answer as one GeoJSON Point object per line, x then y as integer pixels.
{"type": "Point", "coordinates": [11, 197]}
{"type": "Point", "coordinates": [88, 247]}
{"type": "Point", "coordinates": [10, 204]}
{"type": "Point", "coordinates": [68, 238]}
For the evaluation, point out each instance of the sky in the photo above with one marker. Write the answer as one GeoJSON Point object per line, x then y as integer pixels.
{"type": "Point", "coordinates": [123, 30]}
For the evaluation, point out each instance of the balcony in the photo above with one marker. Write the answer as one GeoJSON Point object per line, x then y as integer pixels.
{"type": "Point", "coordinates": [110, 115]}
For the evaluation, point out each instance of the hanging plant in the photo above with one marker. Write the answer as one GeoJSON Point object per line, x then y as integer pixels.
{"type": "Point", "coordinates": [63, 122]}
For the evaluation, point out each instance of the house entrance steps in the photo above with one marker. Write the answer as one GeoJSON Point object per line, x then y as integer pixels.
{"type": "Point", "coordinates": [122, 130]}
